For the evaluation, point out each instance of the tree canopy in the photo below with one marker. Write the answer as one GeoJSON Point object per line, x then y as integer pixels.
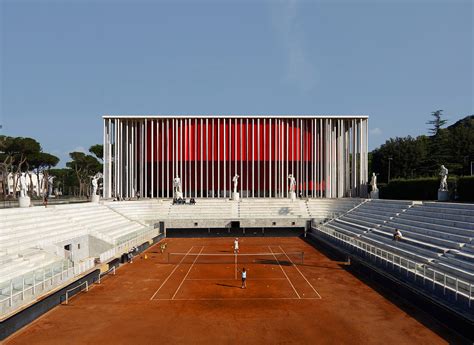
{"type": "Point", "coordinates": [422, 156]}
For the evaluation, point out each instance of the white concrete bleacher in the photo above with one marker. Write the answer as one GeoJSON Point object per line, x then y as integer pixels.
{"type": "Point", "coordinates": [371, 222]}
{"type": "Point", "coordinates": [203, 209]}
{"type": "Point", "coordinates": [272, 208]}
{"type": "Point", "coordinates": [102, 221]}
{"type": "Point", "coordinates": [24, 228]}
{"type": "Point", "coordinates": [29, 238]}
{"type": "Point", "coordinates": [25, 262]}
{"type": "Point", "coordinates": [321, 209]}
{"type": "Point", "coordinates": [143, 211]}
{"type": "Point", "coordinates": [457, 221]}
{"type": "Point", "coordinates": [440, 235]}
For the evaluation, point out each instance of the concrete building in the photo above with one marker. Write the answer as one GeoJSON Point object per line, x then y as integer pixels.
{"type": "Point", "coordinates": [327, 155]}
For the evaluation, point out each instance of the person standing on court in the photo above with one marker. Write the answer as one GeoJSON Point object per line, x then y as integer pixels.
{"type": "Point", "coordinates": [244, 278]}
{"type": "Point", "coordinates": [236, 246]}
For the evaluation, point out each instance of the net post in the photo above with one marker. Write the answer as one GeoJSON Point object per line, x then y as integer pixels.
{"type": "Point", "coordinates": [87, 286]}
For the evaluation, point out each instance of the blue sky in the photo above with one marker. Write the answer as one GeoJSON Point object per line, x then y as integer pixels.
{"type": "Point", "coordinates": [66, 63]}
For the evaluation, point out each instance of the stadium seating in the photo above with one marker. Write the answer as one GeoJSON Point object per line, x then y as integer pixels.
{"type": "Point", "coordinates": [272, 208]}
{"type": "Point", "coordinates": [99, 219]}
{"type": "Point", "coordinates": [323, 209]}
{"type": "Point", "coordinates": [204, 209]}
{"type": "Point", "coordinates": [438, 235]}
{"type": "Point", "coordinates": [143, 211]}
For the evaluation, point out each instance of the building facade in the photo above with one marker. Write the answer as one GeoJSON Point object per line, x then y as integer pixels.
{"type": "Point", "coordinates": [327, 155]}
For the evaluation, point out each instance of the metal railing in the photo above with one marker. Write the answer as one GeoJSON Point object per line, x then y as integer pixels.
{"type": "Point", "coordinates": [428, 275]}
{"type": "Point", "coordinates": [25, 288]}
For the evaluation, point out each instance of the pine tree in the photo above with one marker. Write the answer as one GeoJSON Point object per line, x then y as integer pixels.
{"type": "Point", "coordinates": [437, 122]}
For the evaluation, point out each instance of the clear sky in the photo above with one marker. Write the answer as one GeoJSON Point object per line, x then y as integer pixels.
{"type": "Point", "coordinates": [66, 63]}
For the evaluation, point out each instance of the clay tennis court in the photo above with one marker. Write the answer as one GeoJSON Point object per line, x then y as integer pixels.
{"type": "Point", "coordinates": [194, 296]}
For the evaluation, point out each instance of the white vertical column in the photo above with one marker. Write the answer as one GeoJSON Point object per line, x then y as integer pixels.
{"type": "Point", "coordinates": [162, 158]}
{"type": "Point", "coordinates": [152, 170]}
{"type": "Point", "coordinates": [218, 157]}
{"type": "Point", "coordinates": [265, 157]}
{"type": "Point", "coordinates": [105, 170]}
{"type": "Point", "coordinates": [241, 157]}
{"type": "Point", "coordinates": [306, 155]}
{"type": "Point", "coordinates": [201, 156]}
{"type": "Point", "coordinates": [247, 154]}
{"type": "Point", "coordinates": [270, 176]}
{"type": "Point", "coordinates": [258, 159]}
{"type": "Point", "coordinates": [287, 149]}
{"type": "Point", "coordinates": [168, 145]}
{"type": "Point", "coordinates": [226, 154]}
{"type": "Point", "coordinates": [213, 188]}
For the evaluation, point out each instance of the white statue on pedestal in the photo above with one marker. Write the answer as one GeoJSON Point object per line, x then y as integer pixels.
{"type": "Point", "coordinates": [292, 183]}
{"type": "Point", "coordinates": [443, 186]}
{"type": "Point", "coordinates": [373, 183]}
{"type": "Point", "coordinates": [95, 183]}
{"type": "Point", "coordinates": [235, 179]}
{"type": "Point", "coordinates": [177, 187]}
{"type": "Point", "coordinates": [50, 185]}
{"type": "Point", "coordinates": [23, 186]}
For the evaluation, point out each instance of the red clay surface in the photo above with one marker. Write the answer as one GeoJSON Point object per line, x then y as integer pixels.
{"type": "Point", "coordinates": [152, 301]}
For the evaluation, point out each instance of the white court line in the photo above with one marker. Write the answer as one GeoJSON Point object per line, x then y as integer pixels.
{"type": "Point", "coordinates": [237, 299]}
{"type": "Point", "coordinates": [189, 270]}
{"type": "Point", "coordinates": [171, 274]}
{"type": "Point", "coordinates": [220, 279]}
{"type": "Point", "coordinates": [297, 294]}
{"type": "Point", "coordinates": [301, 273]}
{"type": "Point", "coordinates": [235, 262]}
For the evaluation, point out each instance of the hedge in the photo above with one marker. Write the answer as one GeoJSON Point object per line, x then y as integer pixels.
{"type": "Point", "coordinates": [465, 188]}
{"type": "Point", "coordinates": [425, 188]}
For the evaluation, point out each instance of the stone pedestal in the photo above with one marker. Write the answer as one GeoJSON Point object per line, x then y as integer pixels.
{"type": "Point", "coordinates": [236, 196]}
{"type": "Point", "coordinates": [24, 201]}
{"type": "Point", "coordinates": [95, 198]}
{"type": "Point", "coordinates": [178, 195]}
{"type": "Point", "coordinates": [374, 194]}
{"type": "Point", "coordinates": [292, 196]}
{"type": "Point", "coordinates": [443, 195]}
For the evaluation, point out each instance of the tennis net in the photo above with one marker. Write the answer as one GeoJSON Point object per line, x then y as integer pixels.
{"type": "Point", "coordinates": [284, 259]}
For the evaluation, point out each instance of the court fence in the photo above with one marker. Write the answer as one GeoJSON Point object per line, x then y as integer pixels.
{"type": "Point", "coordinates": [427, 276]}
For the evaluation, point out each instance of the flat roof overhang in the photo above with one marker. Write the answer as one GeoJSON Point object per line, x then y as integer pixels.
{"type": "Point", "coordinates": [299, 116]}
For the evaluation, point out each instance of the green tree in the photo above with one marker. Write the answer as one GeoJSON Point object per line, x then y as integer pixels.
{"type": "Point", "coordinates": [84, 167]}
{"type": "Point", "coordinates": [14, 154]}
{"type": "Point", "coordinates": [97, 150]}
{"type": "Point", "coordinates": [405, 156]}
{"type": "Point", "coordinates": [65, 180]}
{"type": "Point", "coordinates": [42, 162]}
{"type": "Point", "coordinates": [437, 122]}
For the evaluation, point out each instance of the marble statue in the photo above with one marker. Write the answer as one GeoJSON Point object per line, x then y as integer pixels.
{"type": "Point", "coordinates": [235, 179]}
{"type": "Point", "coordinates": [50, 185]}
{"type": "Point", "coordinates": [95, 183]}
{"type": "Point", "coordinates": [444, 178]}
{"type": "Point", "coordinates": [23, 186]}
{"type": "Point", "coordinates": [292, 182]}
{"type": "Point", "coordinates": [373, 182]}
{"type": "Point", "coordinates": [177, 187]}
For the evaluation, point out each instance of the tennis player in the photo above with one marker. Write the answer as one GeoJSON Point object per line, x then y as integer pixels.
{"type": "Point", "coordinates": [244, 278]}
{"type": "Point", "coordinates": [236, 246]}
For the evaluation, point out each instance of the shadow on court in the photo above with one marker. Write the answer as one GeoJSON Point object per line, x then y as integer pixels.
{"type": "Point", "coordinates": [229, 286]}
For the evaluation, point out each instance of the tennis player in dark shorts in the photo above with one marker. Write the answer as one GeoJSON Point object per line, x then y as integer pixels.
{"type": "Point", "coordinates": [244, 278]}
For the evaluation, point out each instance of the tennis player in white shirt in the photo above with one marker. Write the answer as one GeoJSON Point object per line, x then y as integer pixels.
{"type": "Point", "coordinates": [236, 246]}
